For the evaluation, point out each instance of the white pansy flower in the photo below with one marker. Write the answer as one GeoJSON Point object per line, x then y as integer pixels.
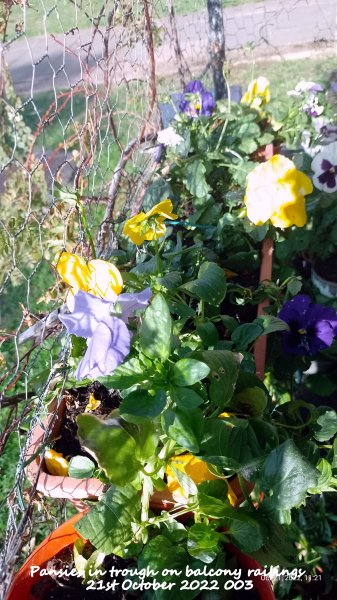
{"type": "Point", "coordinates": [324, 166]}
{"type": "Point", "coordinates": [169, 137]}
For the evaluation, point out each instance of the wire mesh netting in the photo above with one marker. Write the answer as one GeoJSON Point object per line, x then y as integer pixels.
{"type": "Point", "coordinates": [84, 88]}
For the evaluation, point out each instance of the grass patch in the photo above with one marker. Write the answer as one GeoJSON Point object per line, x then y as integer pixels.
{"type": "Point", "coordinates": [283, 75]}
{"type": "Point", "coordinates": [60, 16]}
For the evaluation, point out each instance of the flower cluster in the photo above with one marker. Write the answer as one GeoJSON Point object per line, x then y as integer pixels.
{"type": "Point", "coordinates": [182, 334]}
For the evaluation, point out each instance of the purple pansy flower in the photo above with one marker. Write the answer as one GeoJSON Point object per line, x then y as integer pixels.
{"type": "Point", "coordinates": [312, 107]}
{"type": "Point", "coordinates": [312, 327]}
{"type": "Point", "coordinates": [324, 166]}
{"type": "Point", "coordinates": [329, 131]}
{"type": "Point", "coordinates": [194, 87]}
{"type": "Point", "coordinates": [108, 336]}
{"type": "Point", "coordinates": [196, 101]}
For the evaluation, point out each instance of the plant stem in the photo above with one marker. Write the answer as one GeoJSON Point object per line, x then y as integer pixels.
{"type": "Point", "coordinates": [86, 229]}
{"type": "Point", "coordinates": [158, 259]}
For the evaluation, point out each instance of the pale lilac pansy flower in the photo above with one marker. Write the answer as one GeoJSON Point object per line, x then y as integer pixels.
{"type": "Point", "coordinates": [103, 324]}
{"type": "Point", "coordinates": [324, 166]}
{"type": "Point", "coordinates": [306, 86]}
{"type": "Point", "coordinates": [312, 107]}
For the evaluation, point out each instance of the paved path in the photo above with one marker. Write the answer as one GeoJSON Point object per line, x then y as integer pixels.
{"type": "Point", "coordinates": [37, 64]}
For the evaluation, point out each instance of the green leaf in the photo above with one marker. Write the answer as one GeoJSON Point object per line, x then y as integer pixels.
{"type": "Point", "coordinates": [251, 401]}
{"type": "Point", "coordinates": [246, 334]}
{"type": "Point", "coordinates": [208, 333]}
{"type": "Point", "coordinates": [188, 371]}
{"type": "Point", "coordinates": [229, 323]}
{"type": "Point", "coordinates": [181, 309]}
{"type": "Point", "coordinates": [248, 145]}
{"type": "Point", "coordinates": [160, 554]}
{"type": "Point", "coordinates": [156, 329]}
{"type": "Point", "coordinates": [128, 374]}
{"type": "Point", "coordinates": [81, 467]}
{"type": "Point", "coordinates": [108, 526]}
{"type": "Point", "coordinates": [78, 346]}
{"type": "Point", "coordinates": [171, 281]}
{"type": "Point", "coordinates": [224, 366]}
{"type": "Point", "coordinates": [216, 488]}
{"type": "Point", "coordinates": [113, 447]}
{"type": "Point", "coordinates": [159, 189]}
{"type": "Point", "coordinates": [185, 398]}
{"type": "Point", "coordinates": [218, 509]}
{"type": "Point", "coordinates": [203, 542]}
{"type": "Point", "coordinates": [184, 427]}
{"type": "Point", "coordinates": [271, 324]}
{"type": "Point", "coordinates": [237, 447]}
{"type": "Point", "coordinates": [195, 180]}
{"type": "Point", "coordinates": [326, 424]}
{"type": "Point", "coordinates": [210, 286]}
{"type": "Point", "coordinates": [294, 286]}
{"type": "Point", "coordinates": [185, 481]}
{"type": "Point", "coordinates": [247, 536]}
{"type": "Point", "coordinates": [287, 475]}
{"type": "Point", "coordinates": [325, 479]}
{"type": "Point", "coordinates": [146, 439]}
{"type": "Point", "coordinates": [266, 138]}
{"type": "Point", "coordinates": [142, 404]}
{"type": "Point", "coordinates": [277, 549]}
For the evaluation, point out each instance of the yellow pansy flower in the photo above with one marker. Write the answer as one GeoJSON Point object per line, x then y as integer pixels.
{"type": "Point", "coordinates": [92, 403]}
{"type": "Point", "coordinates": [97, 277]}
{"type": "Point", "coordinates": [275, 191]}
{"type": "Point", "coordinates": [149, 226]}
{"type": "Point", "coordinates": [56, 463]}
{"type": "Point", "coordinates": [195, 468]}
{"type": "Point", "coordinates": [258, 93]}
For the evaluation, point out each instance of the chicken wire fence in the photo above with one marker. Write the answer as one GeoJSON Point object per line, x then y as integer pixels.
{"type": "Point", "coordinates": [84, 89]}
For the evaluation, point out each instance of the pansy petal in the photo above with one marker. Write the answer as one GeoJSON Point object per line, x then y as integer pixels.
{"type": "Point", "coordinates": [323, 178]}
{"type": "Point", "coordinates": [317, 312]}
{"type": "Point", "coordinates": [106, 350]}
{"type": "Point", "coordinates": [132, 228]}
{"type": "Point", "coordinates": [324, 334]}
{"type": "Point", "coordinates": [207, 104]}
{"type": "Point", "coordinates": [164, 208]}
{"type": "Point", "coordinates": [56, 463]}
{"type": "Point", "coordinates": [194, 87]}
{"type": "Point", "coordinates": [296, 307]}
{"type": "Point", "coordinates": [88, 311]}
{"type": "Point", "coordinates": [132, 302]}
{"type": "Point", "coordinates": [74, 271]}
{"type": "Point", "coordinates": [292, 213]}
{"type": "Point", "coordinates": [194, 467]}
{"type": "Point", "coordinates": [292, 344]}
{"type": "Point", "coordinates": [105, 279]}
